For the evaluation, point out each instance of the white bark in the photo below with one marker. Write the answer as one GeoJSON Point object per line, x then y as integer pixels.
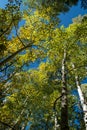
{"type": "Point", "coordinates": [82, 100]}
{"type": "Point", "coordinates": [56, 125]}
{"type": "Point", "coordinates": [81, 97]}
{"type": "Point", "coordinates": [55, 122]}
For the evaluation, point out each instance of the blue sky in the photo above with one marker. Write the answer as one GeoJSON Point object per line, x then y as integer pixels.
{"type": "Point", "coordinates": [74, 11]}
{"type": "Point", "coordinates": [2, 3]}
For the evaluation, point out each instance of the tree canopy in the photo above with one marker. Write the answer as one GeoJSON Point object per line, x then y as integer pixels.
{"type": "Point", "coordinates": [42, 98]}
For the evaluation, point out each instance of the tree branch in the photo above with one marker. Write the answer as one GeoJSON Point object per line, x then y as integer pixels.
{"type": "Point", "coordinates": [6, 29]}
{"type": "Point", "coordinates": [78, 67]}
{"type": "Point", "coordinates": [7, 125]}
{"type": "Point", "coordinates": [54, 104]}
{"type": "Point", "coordinates": [14, 54]}
{"type": "Point", "coordinates": [18, 35]}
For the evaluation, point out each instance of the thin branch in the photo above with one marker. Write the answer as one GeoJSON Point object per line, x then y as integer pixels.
{"type": "Point", "coordinates": [5, 68]}
{"type": "Point", "coordinates": [7, 125]}
{"type": "Point", "coordinates": [18, 35]}
{"type": "Point", "coordinates": [78, 67]}
{"type": "Point", "coordinates": [6, 29]}
{"type": "Point", "coordinates": [54, 104]}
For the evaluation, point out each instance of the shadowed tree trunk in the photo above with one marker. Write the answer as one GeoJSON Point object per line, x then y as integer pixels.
{"type": "Point", "coordinates": [64, 102]}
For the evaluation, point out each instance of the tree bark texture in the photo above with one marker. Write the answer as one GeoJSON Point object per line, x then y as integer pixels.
{"type": "Point", "coordinates": [82, 100]}
{"type": "Point", "coordinates": [64, 101]}
{"type": "Point", "coordinates": [81, 97]}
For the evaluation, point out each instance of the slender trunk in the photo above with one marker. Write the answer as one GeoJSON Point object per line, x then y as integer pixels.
{"type": "Point", "coordinates": [64, 102]}
{"type": "Point", "coordinates": [82, 100]}
{"type": "Point", "coordinates": [23, 127]}
{"type": "Point", "coordinates": [81, 96]}
{"type": "Point", "coordinates": [56, 126]}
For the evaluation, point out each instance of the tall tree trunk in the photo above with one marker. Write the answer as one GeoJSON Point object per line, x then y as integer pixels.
{"type": "Point", "coordinates": [82, 100]}
{"type": "Point", "coordinates": [81, 97]}
{"type": "Point", "coordinates": [64, 102]}
{"type": "Point", "coordinates": [56, 125]}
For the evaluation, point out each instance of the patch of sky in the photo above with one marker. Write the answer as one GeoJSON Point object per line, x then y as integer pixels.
{"type": "Point", "coordinates": [84, 81]}
{"type": "Point", "coordinates": [77, 124]}
{"type": "Point", "coordinates": [66, 18]}
{"type": "Point", "coordinates": [16, 31]}
{"type": "Point", "coordinates": [28, 126]}
{"type": "Point", "coordinates": [75, 92]}
{"type": "Point", "coordinates": [77, 109]}
{"type": "Point", "coordinates": [3, 76]}
{"type": "Point", "coordinates": [33, 65]}
{"type": "Point", "coordinates": [79, 115]}
{"type": "Point", "coordinates": [3, 3]}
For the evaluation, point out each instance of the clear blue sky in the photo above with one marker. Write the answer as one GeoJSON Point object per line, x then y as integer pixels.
{"type": "Point", "coordinates": [2, 3]}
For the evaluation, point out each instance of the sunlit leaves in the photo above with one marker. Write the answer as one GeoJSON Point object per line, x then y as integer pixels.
{"type": "Point", "coordinates": [39, 102]}
{"type": "Point", "coordinates": [30, 96]}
